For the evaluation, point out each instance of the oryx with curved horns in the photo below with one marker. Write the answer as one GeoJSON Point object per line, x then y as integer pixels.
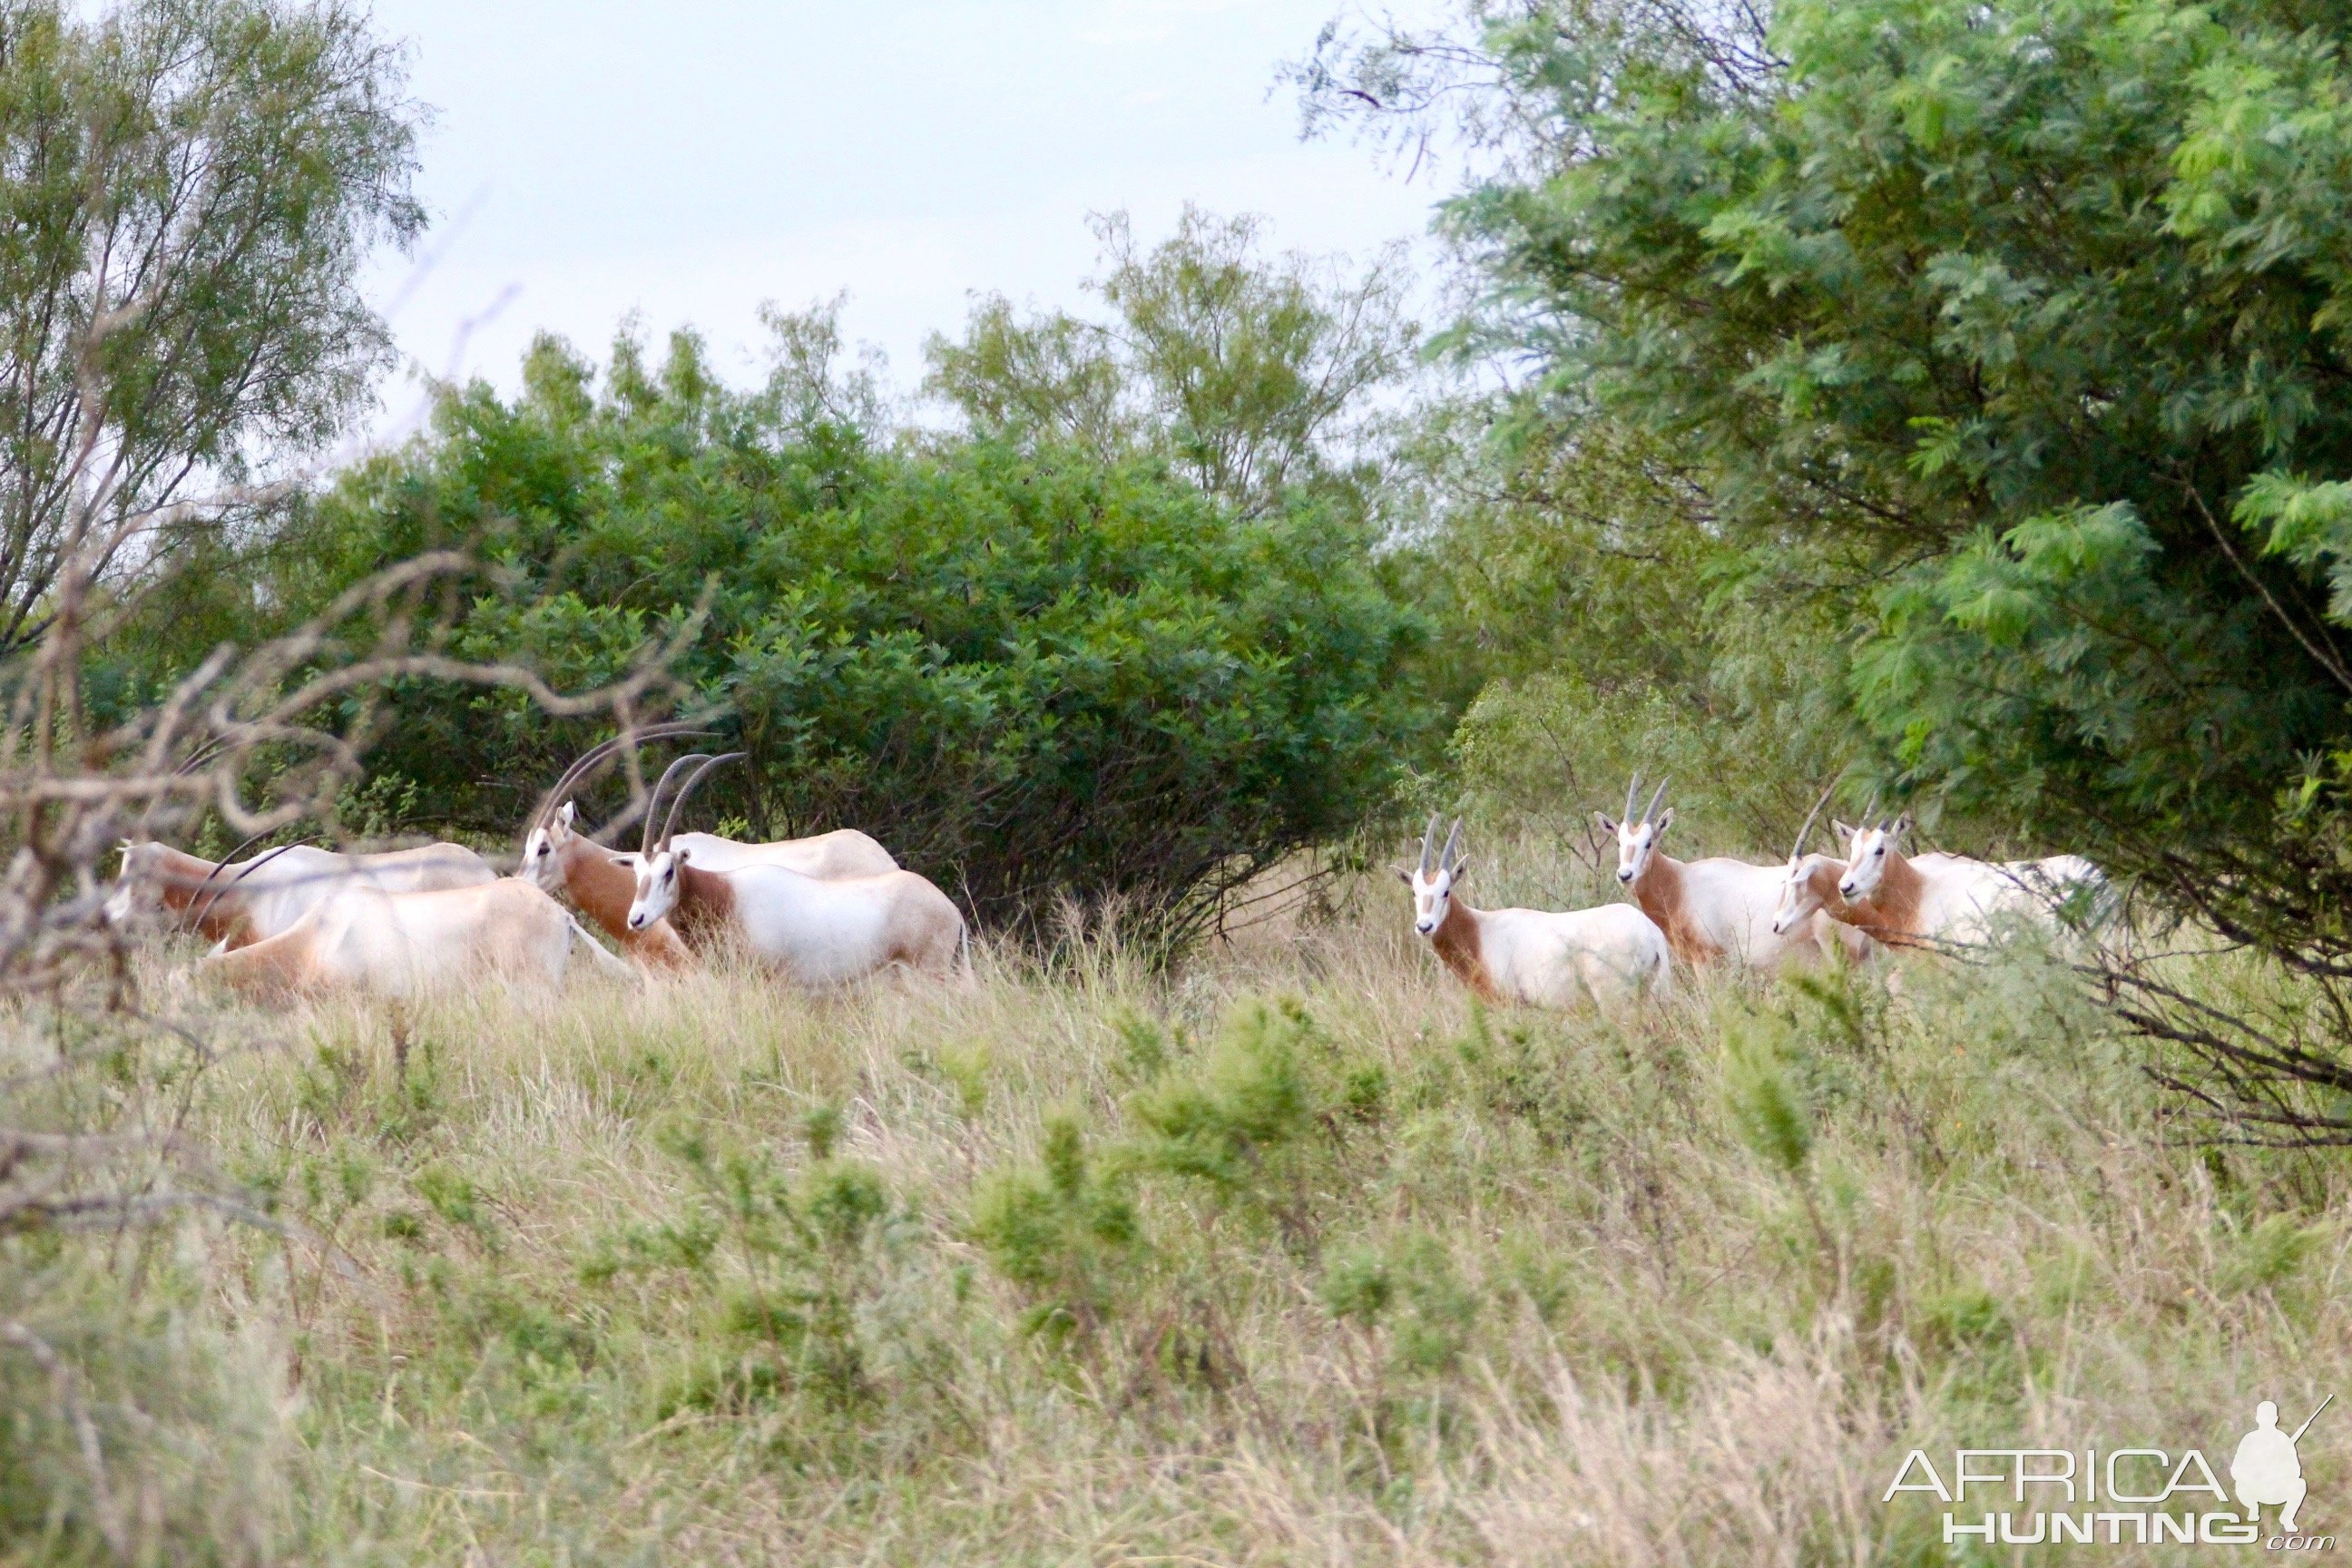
{"type": "Point", "coordinates": [562, 859]}
{"type": "Point", "coordinates": [599, 881]}
{"type": "Point", "coordinates": [1715, 909]}
{"type": "Point", "coordinates": [818, 930]}
{"type": "Point", "coordinates": [1923, 900]}
{"type": "Point", "coordinates": [399, 944]}
{"type": "Point", "coordinates": [1610, 955]}
{"type": "Point", "coordinates": [236, 902]}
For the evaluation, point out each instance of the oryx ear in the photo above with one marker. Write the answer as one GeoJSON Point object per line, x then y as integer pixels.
{"type": "Point", "coordinates": [678, 856]}
{"type": "Point", "coordinates": [1902, 826]}
{"type": "Point", "coordinates": [1461, 869]}
{"type": "Point", "coordinates": [1608, 825]}
{"type": "Point", "coordinates": [1666, 820]}
{"type": "Point", "coordinates": [1842, 829]}
{"type": "Point", "coordinates": [567, 814]}
{"type": "Point", "coordinates": [1403, 875]}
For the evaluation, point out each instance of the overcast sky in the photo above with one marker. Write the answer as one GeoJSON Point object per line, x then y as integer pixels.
{"type": "Point", "coordinates": [690, 159]}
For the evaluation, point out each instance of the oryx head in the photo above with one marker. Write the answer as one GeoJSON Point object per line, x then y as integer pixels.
{"type": "Point", "coordinates": [1867, 850]}
{"type": "Point", "coordinates": [1637, 839]}
{"type": "Point", "coordinates": [1799, 900]}
{"type": "Point", "coordinates": [1432, 879]}
{"type": "Point", "coordinates": [657, 864]}
{"type": "Point", "coordinates": [554, 824]}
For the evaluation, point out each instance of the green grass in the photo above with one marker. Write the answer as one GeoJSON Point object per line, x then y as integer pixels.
{"type": "Point", "coordinates": [1291, 1255]}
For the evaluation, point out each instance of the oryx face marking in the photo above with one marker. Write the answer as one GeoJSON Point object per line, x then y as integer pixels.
{"type": "Point", "coordinates": [1865, 865]}
{"type": "Point", "coordinates": [1430, 892]}
{"type": "Point", "coordinates": [1798, 902]}
{"type": "Point", "coordinates": [658, 878]}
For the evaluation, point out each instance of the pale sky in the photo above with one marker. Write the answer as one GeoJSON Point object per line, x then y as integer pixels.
{"type": "Point", "coordinates": [688, 161]}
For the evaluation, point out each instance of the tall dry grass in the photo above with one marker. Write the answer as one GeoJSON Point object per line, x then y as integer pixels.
{"type": "Point", "coordinates": [702, 1273]}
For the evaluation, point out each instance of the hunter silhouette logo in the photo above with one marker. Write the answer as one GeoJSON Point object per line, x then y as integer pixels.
{"type": "Point", "coordinates": [2123, 1497]}
{"type": "Point", "coordinates": [2266, 1470]}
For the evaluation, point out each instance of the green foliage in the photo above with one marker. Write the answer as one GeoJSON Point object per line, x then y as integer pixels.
{"type": "Point", "coordinates": [2008, 339]}
{"type": "Point", "coordinates": [1030, 672]}
{"type": "Point", "coordinates": [1412, 1291]}
{"type": "Point", "coordinates": [789, 1262]}
{"type": "Point", "coordinates": [194, 189]}
{"type": "Point", "coordinates": [1240, 1120]}
{"type": "Point", "coordinates": [1248, 375]}
{"type": "Point", "coordinates": [2272, 1253]}
{"type": "Point", "coordinates": [1063, 1231]}
{"type": "Point", "coordinates": [1767, 1105]}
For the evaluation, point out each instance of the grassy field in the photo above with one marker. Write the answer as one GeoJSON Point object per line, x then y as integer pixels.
{"type": "Point", "coordinates": [1291, 1255]}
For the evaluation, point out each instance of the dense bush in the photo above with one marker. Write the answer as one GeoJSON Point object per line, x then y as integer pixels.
{"type": "Point", "coordinates": [1030, 672]}
{"type": "Point", "coordinates": [2012, 334]}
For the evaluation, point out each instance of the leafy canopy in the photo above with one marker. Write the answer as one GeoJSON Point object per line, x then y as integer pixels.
{"type": "Point", "coordinates": [2019, 326]}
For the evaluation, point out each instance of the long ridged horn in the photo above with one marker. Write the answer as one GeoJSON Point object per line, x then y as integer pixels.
{"type": "Point", "coordinates": [661, 787]}
{"type": "Point", "coordinates": [1651, 810]}
{"type": "Point", "coordinates": [1869, 811]}
{"type": "Point", "coordinates": [669, 824]}
{"type": "Point", "coordinates": [596, 755]}
{"type": "Point", "coordinates": [1447, 859]}
{"type": "Point", "coordinates": [199, 907]}
{"type": "Point", "coordinates": [189, 922]}
{"type": "Point", "coordinates": [1631, 789]}
{"type": "Point", "coordinates": [1811, 818]}
{"type": "Point", "coordinates": [1428, 844]}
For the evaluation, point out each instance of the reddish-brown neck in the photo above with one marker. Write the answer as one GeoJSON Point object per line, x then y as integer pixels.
{"type": "Point", "coordinates": [603, 889]}
{"type": "Point", "coordinates": [1895, 901]}
{"type": "Point", "coordinates": [1661, 893]}
{"type": "Point", "coordinates": [1460, 948]}
{"type": "Point", "coordinates": [598, 883]}
{"type": "Point", "coordinates": [1882, 915]}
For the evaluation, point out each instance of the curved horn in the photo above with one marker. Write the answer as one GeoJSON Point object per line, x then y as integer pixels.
{"type": "Point", "coordinates": [596, 755]}
{"type": "Point", "coordinates": [1632, 790]}
{"type": "Point", "coordinates": [198, 909]}
{"type": "Point", "coordinates": [189, 922]}
{"type": "Point", "coordinates": [1428, 843]}
{"type": "Point", "coordinates": [1453, 842]}
{"type": "Point", "coordinates": [1869, 811]}
{"type": "Point", "coordinates": [669, 825]}
{"type": "Point", "coordinates": [661, 787]}
{"type": "Point", "coordinates": [1811, 818]}
{"type": "Point", "coordinates": [1651, 810]}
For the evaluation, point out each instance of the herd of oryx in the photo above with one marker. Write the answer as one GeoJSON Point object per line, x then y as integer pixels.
{"type": "Point", "coordinates": [821, 909]}
{"type": "Point", "coordinates": [837, 907]}
{"type": "Point", "coordinates": [1721, 911]}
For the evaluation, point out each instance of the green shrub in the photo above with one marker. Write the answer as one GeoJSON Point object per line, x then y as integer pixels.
{"type": "Point", "coordinates": [1061, 1231]}
{"type": "Point", "coordinates": [1030, 670]}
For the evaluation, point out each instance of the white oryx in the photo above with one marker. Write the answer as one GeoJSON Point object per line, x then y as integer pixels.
{"type": "Point", "coordinates": [399, 944]}
{"type": "Point", "coordinates": [238, 902]}
{"type": "Point", "coordinates": [818, 930]}
{"type": "Point", "coordinates": [1929, 900]}
{"type": "Point", "coordinates": [1715, 909]}
{"type": "Point", "coordinates": [600, 882]}
{"type": "Point", "coordinates": [1609, 956]}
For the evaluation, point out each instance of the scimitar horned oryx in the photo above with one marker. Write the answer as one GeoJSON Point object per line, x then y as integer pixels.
{"type": "Point", "coordinates": [1713, 910]}
{"type": "Point", "coordinates": [817, 931]}
{"type": "Point", "coordinates": [1609, 957]}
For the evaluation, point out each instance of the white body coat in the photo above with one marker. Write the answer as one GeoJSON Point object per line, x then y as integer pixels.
{"type": "Point", "coordinates": [268, 894]}
{"type": "Point", "coordinates": [1954, 899]}
{"type": "Point", "coordinates": [403, 944]}
{"type": "Point", "coordinates": [1612, 956]}
{"type": "Point", "coordinates": [1719, 908]}
{"type": "Point", "coordinates": [818, 930]}
{"type": "Point", "coordinates": [844, 852]}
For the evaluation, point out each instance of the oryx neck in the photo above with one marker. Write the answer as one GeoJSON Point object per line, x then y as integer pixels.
{"type": "Point", "coordinates": [1459, 941]}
